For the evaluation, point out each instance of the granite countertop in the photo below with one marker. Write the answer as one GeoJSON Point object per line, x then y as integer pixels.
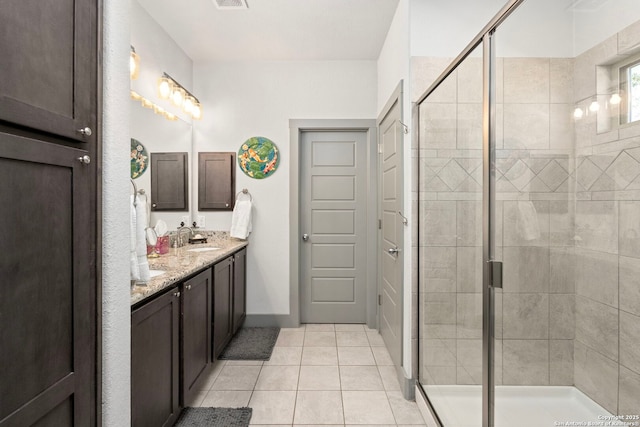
{"type": "Point", "coordinates": [180, 263]}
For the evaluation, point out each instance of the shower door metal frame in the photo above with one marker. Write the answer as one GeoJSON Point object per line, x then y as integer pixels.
{"type": "Point", "coordinates": [491, 268]}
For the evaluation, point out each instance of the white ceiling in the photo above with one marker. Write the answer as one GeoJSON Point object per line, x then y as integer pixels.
{"type": "Point", "coordinates": [276, 29]}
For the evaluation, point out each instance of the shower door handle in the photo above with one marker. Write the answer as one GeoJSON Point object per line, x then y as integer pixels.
{"type": "Point", "coordinates": [496, 273]}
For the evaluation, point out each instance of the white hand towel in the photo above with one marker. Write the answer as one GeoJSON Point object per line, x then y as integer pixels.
{"type": "Point", "coordinates": [527, 222]}
{"type": "Point", "coordinates": [241, 220]}
{"type": "Point", "coordinates": [141, 241]}
{"type": "Point", "coordinates": [133, 258]}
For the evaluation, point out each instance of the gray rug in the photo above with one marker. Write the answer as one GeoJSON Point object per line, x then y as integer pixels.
{"type": "Point", "coordinates": [214, 417]}
{"type": "Point", "coordinates": [251, 344]}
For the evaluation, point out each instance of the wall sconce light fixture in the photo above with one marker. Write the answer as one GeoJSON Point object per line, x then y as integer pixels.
{"type": "Point", "coordinates": [169, 88]}
{"type": "Point", "coordinates": [146, 103]}
{"type": "Point", "coordinates": [134, 64]}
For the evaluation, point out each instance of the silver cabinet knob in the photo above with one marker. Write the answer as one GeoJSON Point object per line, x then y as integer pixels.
{"type": "Point", "coordinates": [393, 250]}
{"type": "Point", "coordinates": [226, 204]}
{"type": "Point", "coordinates": [176, 294]}
{"type": "Point", "coordinates": [305, 237]}
{"type": "Point", "coordinates": [86, 131]}
{"type": "Point", "coordinates": [187, 287]}
{"type": "Point", "coordinates": [85, 159]}
{"type": "Point", "coordinates": [154, 205]}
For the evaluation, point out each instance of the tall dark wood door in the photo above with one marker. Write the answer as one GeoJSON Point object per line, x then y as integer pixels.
{"type": "Point", "coordinates": [48, 67]}
{"type": "Point", "coordinates": [46, 307]}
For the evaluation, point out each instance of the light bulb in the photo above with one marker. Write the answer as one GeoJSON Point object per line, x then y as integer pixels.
{"type": "Point", "coordinates": [594, 106]}
{"type": "Point", "coordinates": [146, 103]}
{"type": "Point", "coordinates": [177, 96]}
{"type": "Point", "coordinates": [135, 95]}
{"type": "Point", "coordinates": [134, 65]}
{"type": "Point", "coordinates": [188, 105]}
{"type": "Point", "coordinates": [164, 87]}
{"type": "Point", "coordinates": [196, 111]}
{"type": "Point", "coordinates": [578, 113]}
{"type": "Point", "coordinates": [615, 99]}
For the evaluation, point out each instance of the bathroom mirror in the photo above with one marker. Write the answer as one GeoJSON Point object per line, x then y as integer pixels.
{"type": "Point", "coordinates": [157, 54]}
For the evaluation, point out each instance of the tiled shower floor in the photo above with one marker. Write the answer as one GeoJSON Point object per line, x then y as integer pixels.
{"type": "Point", "coordinates": [330, 375]}
{"type": "Point", "coordinates": [524, 406]}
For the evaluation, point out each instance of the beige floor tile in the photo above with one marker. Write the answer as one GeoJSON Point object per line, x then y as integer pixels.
{"type": "Point", "coordinates": [237, 378]}
{"type": "Point", "coordinates": [382, 356]}
{"type": "Point", "coordinates": [375, 339]}
{"type": "Point", "coordinates": [226, 399]}
{"type": "Point", "coordinates": [319, 327]}
{"type": "Point", "coordinates": [367, 407]}
{"type": "Point", "coordinates": [278, 378]}
{"type": "Point", "coordinates": [360, 378]}
{"type": "Point", "coordinates": [290, 338]}
{"type": "Point", "coordinates": [244, 362]}
{"type": "Point", "coordinates": [320, 356]}
{"type": "Point", "coordinates": [319, 378]}
{"type": "Point", "coordinates": [319, 407]}
{"type": "Point", "coordinates": [404, 411]}
{"type": "Point", "coordinates": [360, 356]}
{"type": "Point", "coordinates": [389, 378]}
{"type": "Point", "coordinates": [272, 407]}
{"type": "Point", "coordinates": [285, 356]}
{"type": "Point", "coordinates": [351, 339]}
{"type": "Point", "coordinates": [212, 374]}
{"type": "Point", "coordinates": [319, 339]}
{"type": "Point", "coordinates": [349, 327]}
{"type": "Point", "coordinates": [198, 398]}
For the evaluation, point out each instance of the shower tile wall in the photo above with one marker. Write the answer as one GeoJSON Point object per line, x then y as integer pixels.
{"type": "Point", "coordinates": [607, 242]}
{"type": "Point", "coordinates": [535, 314]}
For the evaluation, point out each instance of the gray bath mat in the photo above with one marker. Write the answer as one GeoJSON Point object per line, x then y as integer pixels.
{"type": "Point", "coordinates": [251, 344]}
{"type": "Point", "coordinates": [214, 417]}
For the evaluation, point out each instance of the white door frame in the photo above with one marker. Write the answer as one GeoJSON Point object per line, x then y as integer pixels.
{"type": "Point", "coordinates": [296, 127]}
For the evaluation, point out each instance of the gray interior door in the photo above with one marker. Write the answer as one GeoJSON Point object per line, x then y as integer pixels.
{"type": "Point", "coordinates": [333, 199]}
{"type": "Point", "coordinates": [391, 238]}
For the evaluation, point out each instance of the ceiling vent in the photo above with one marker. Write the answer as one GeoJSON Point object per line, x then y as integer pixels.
{"type": "Point", "coordinates": [231, 4]}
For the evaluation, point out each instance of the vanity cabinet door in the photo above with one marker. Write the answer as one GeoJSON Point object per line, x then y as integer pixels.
{"type": "Point", "coordinates": [155, 365]}
{"type": "Point", "coordinates": [169, 182]}
{"type": "Point", "coordinates": [239, 289]}
{"type": "Point", "coordinates": [216, 181]}
{"type": "Point", "coordinates": [222, 305]}
{"type": "Point", "coordinates": [196, 332]}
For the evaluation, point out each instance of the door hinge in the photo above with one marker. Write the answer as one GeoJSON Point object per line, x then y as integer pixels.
{"type": "Point", "coordinates": [379, 299]}
{"type": "Point", "coordinates": [379, 224]}
{"type": "Point", "coordinates": [379, 148]}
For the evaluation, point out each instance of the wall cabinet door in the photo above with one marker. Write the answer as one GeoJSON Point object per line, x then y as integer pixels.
{"type": "Point", "coordinates": [239, 289]}
{"type": "Point", "coordinates": [196, 332]}
{"type": "Point", "coordinates": [49, 50]}
{"type": "Point", "coordinates": [216, 181]}
{"type": "Point", "coordinates": [222, 305]}
{"type": "Point", "coordinates": [47, 307]}
{"type": "Point", "coordinates": [169, 182]}
{"type": "Point", "coordinates": [155, 365]}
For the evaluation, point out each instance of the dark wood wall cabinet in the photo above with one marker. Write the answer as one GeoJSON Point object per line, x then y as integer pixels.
{"type": "Point", "coordinates": [172, 339]}
{"type": "Point", "coordinates": [48, 205]}
{"type": "Point", "coordinates": [216, 181]}
{"type": "Point", "coordinates": [169, 182]}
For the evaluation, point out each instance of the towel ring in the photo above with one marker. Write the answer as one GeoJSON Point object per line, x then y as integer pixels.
{"type": "Point", "coordinates": [244, 191]}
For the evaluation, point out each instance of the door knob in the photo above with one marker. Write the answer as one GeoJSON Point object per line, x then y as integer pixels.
{"type": "Point", "coordinates": [86, 131]}
{"type": "Point", "coordinates": [84, 159]}
{"type": "Point", "coordinates": [393, 251]}
{"type": "Point", "coordinates": [305, 237]}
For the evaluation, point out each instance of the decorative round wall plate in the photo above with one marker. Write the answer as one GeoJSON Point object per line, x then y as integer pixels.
{"type": "Point", "coordinates": [258, 157]}
{"type": "Point", "coordinates": [139, 158]}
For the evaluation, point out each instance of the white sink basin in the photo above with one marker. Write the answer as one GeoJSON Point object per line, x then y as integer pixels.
{"type": "Point", "coordinates": [203, 249]}
{"type": "Point", "coordinates": [154, 273]}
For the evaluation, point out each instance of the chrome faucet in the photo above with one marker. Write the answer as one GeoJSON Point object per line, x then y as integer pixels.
{"type": "Point", "coordinates": [179, 236]}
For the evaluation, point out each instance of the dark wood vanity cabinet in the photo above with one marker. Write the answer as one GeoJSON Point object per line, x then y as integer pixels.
{"type": "Point", "coordinates": [196, 332]}
{"type": "Point", "coordinates": [216, 181]}
{"type": "Point", "coordinates": [229, 299]}
{"type": "Point", "coordinates": [239, 288]}
{"type": "Point", "coordinates": [169, 182]}
{"type": "Point", "coordinates": [155, 361]}
{"type": "Point", "coordinates": [222, 305]}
